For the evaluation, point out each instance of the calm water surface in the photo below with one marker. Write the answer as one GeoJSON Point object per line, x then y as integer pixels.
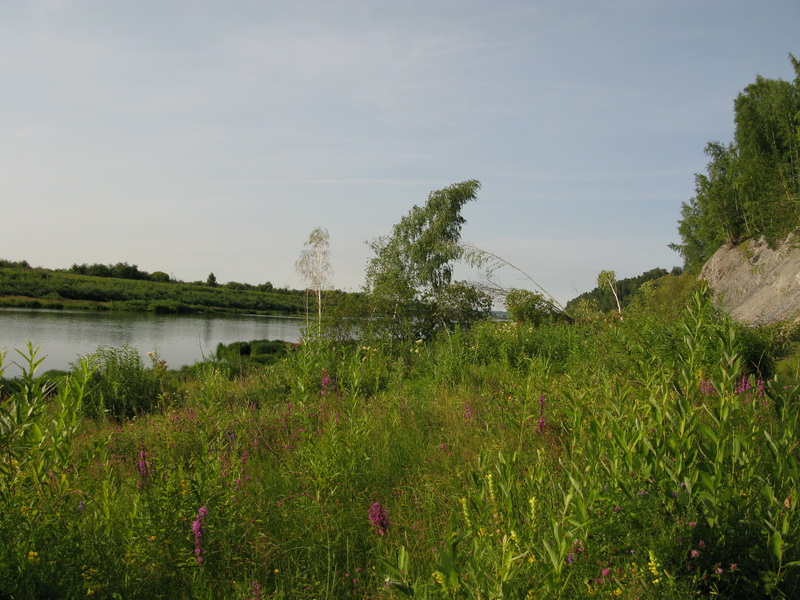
{"type": "Point", "coordinates": [64, 336]}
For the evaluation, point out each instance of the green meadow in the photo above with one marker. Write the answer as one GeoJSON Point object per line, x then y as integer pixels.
{"type": "Point", "coordinates": [655, 457]}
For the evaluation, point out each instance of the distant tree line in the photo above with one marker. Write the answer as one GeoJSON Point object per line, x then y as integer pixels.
{"type": "Point", "coordinates": [126, 287]}
{"type": "Point", "coordinates": [626, 289]}
{"type": "Point", "coordinates": [123, 270]}
{"type": "Point", "coordinates": [751, 187]}
{"type": "Point", "coordinates": [10, 264]}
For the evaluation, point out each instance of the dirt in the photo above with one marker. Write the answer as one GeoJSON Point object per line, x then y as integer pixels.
{"type": "Point", "coordinates": [756, 284]}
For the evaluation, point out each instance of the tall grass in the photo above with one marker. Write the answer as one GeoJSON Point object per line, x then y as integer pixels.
{"type": "Point", "coordinates": [644, 459]}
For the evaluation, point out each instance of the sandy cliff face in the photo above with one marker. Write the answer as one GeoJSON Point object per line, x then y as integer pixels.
{"type": "Point", "coordinates": [755, 284]}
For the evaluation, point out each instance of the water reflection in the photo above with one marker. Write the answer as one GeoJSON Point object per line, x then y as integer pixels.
{"type": "Point", "coordinates": [63, 336]}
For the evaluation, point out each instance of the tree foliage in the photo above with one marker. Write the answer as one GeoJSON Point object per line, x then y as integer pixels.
{"type": "Point", "coordinates": [751, 187]}
{"type": "Point", "coordinates": [409, 278]}
{"type": "Point", "coordinates": [525, 306]}
{"type": "Point", "coordinates": [609, 279]}
{"type": "Point", "coordinates": [626, 289]}
{"type": "Point", "coordinates": [314, 264]}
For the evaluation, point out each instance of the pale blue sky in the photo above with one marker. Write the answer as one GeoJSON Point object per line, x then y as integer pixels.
{"type": "Point", "coordinates": [198, 136]}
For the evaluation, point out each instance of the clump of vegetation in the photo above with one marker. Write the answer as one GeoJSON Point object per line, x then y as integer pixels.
{"type": "Point", "coordinates": [252, 353]}
{"type": "Point", "coordinates": [121, 387]}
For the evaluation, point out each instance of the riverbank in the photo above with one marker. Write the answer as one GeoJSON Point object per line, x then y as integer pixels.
{"type": "Point", "coordinates": [25, 287]}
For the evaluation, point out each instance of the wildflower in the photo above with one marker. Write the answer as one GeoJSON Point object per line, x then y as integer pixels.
{"type": "Point", "coordinates": [542, 423]}
{"type": "Point", "coordinates": [438, 576]}
{"type": "Point", "coordinates": [695, 553]}
{"type": "Point", "coordinates": [490, 486]}
{"type": "Point", "coordinates": [378, 518]}
{"type": "Point", "coordinates": [605, 572]}
{"type": "Point", "coordinates": [198, 528]}
{"type": "Point", "coordinates": [707, 388]}
{"type": "Point", "coordinates": [653, 566]}
{"type": "Point", "coordinates": [33, 556]}
{"type": "Point", "coordinates": [465, 510]}
{"type": "Point", "coordinates": [144, 468]}
{"type": "Point", "coordinates": [326, 384]}
{"type": "Point", "coordinates": [743, 386]}
{"type": "Point", "coordinates": [734, 566]}
{"type": "Point", "coordinates": [467, 412]}
{"type": "Point", "coordinates": [256, 591]}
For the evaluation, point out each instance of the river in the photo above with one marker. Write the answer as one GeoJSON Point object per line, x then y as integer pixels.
{"type": "Point", "coordinates": [63, 336]}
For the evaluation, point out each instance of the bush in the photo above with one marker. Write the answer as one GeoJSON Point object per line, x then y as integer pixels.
{"type": "Point", "coordinates": [530, 307]}
{"type": "Point", "coordinates": [121, 386]}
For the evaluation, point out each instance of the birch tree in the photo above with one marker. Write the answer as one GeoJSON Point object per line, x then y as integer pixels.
{"type": "Point", "coordinates": [609, 278]}
{"type": "Point", "coordinates": [409, 279]}
{"type": "Point", "coordinates": [314, 266]}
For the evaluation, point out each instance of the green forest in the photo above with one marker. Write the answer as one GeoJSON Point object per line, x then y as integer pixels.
{"type": "Point", "coordinates": [635, 444]}
{"type": "Point", "coordinates": [751, 187]}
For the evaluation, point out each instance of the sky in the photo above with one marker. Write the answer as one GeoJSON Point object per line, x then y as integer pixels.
{"type": "Point", "coordinates": [194, 136]}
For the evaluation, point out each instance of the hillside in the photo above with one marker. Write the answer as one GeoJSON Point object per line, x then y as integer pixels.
{"type": "Point", "coordinates": [756, 284]}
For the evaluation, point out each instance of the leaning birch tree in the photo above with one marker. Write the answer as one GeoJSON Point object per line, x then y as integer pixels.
{"type": "Point", "coordinates": [314, 266]}
{"type": "Point", "coordinates": [609, 278]}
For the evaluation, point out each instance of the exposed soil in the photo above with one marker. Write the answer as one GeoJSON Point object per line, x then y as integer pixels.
{"type": "Point", "coordinates": [756, 284]}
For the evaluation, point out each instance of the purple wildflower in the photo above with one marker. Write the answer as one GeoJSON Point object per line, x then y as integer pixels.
{"type": "Point", "coordinates": [707, 388]}
{"type": "Point", "coordinates": [198, 528]}
{"type": "Point", "coordinates": [467, 412]}
{"type": "Point", "coordinates": [326, 384]}
{"type": "Point", "coordinates": [256, 591]}
{"type": "Point", "coordinates": [145, 471]}
{"type": "Point", "coordinates": [542, 423]}
{"type": "Point", "coordinates": [742, 386]}
{"type": "Point", "coordinates": [378, 518]}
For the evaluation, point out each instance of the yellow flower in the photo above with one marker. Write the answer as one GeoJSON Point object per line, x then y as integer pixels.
{"type": "Point", "coordinates": [653, 564]}
{"type": "Point", "coordinates": [437, 575]}
{"type": "Point", "coordinates": [33, 556]}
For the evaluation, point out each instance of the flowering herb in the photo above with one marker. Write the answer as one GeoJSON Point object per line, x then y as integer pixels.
{"type": "Point", "coordinates": [198, 528]}
{"type": "Point", "coordinates": [379, 519]}
{"type": "Point", "coordinates": [542, 423]}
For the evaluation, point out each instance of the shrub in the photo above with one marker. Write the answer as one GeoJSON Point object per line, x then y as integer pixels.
{"type": "Point", "coordinates": [121, 386]}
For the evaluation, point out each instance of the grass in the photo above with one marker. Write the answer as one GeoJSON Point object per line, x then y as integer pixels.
{"type": "Point", "coordinates": [644, 459]}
